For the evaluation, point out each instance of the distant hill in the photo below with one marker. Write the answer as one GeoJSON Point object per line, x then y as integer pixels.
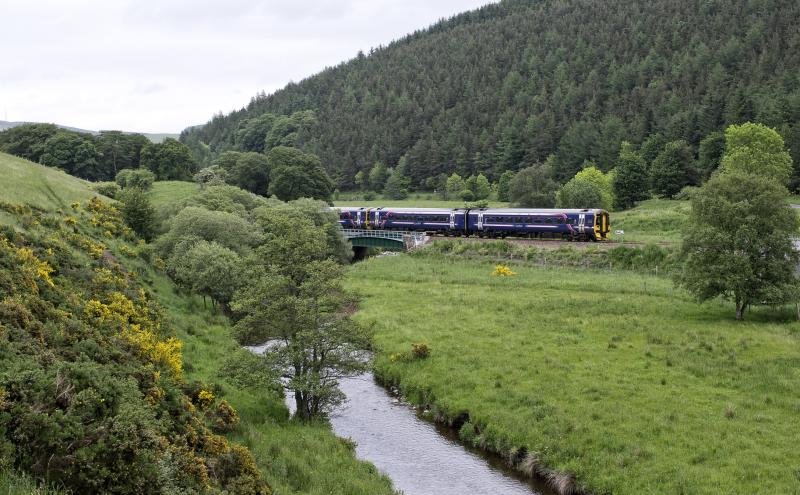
{"type": "Point", "coordinates": [154, 137]}
{"type": "Point", "coordinates": [4, 124]}
{"type": "Point", "coordinates": [509, 84]}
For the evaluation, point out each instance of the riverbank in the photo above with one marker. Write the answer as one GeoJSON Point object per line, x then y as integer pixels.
{"type": "Point", "coordinates": [614, 378]}
{"type": "Point", "coordinates": [294, 457]}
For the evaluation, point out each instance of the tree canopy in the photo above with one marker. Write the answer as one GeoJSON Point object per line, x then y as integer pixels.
{"type": "Point", "coordinates": [739, 242]}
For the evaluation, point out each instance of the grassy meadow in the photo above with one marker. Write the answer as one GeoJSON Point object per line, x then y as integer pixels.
{"type": "Point", "coordinates": [35, 185]}
{"type": "Point", "coordinates": [614, 377]}
{"type": "Point", "coordinates": [172, 191]}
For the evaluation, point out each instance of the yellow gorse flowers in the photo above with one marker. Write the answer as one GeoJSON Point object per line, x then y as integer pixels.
{"type": "Point", "coordinates": [502, 271]}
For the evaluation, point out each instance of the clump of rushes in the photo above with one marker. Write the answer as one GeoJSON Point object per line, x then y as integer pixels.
{"type": "Point", "coordinates": [502, 271]}
{"type": "Point", "coordinates": [420, 350]}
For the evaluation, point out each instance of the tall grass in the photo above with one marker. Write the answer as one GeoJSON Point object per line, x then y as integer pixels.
{"type": "Point", "coordinates": [616, 378]}
{"type": "Point", "coordinates": [25, 182]}
{"type": "Point", "coordinates": [14, 483]}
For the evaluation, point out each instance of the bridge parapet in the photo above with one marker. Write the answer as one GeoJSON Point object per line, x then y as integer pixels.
{"type": "Point", "coordinates": [389, 239]}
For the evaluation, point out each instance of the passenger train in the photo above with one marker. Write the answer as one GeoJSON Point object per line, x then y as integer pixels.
{"type": "Point", "coordinates": [568, 224]}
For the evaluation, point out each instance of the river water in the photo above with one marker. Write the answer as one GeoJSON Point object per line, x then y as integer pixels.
{"type": "Point", "coordinates": [420, 457]}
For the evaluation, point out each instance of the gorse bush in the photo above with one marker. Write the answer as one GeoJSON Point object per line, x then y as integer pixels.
{"type": "Point", "coordinates": [91, 389]}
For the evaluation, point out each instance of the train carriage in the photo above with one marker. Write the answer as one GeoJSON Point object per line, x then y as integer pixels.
{"type": "Point", "coordinates": [579, 224]}
{"type": "Point", "coordinates": [572, 224]}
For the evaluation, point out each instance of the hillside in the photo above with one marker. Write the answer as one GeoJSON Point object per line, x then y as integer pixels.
{"type": "Point", "coordinates": [509, 84]}
{"type": "Point", "coordinates": [38, 186]}
{"type": "Point", "coordinates": [59, 259]}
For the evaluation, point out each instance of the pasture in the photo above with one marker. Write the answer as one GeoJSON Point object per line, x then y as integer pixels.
{"type": "Point", "coordinates": [614, 377]}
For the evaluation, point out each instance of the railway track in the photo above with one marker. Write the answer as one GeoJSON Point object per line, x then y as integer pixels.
{"type": "Point", "coordinates": [549, 243]}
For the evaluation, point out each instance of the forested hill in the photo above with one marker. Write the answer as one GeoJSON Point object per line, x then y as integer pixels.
{"type": "Point", "coordinates": [506, 85]}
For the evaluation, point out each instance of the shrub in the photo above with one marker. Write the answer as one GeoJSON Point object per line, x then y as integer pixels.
{"type": "Point", "coordinates": [420, 350]}
{"type": "Point", "coordinates": [139, 178]}
{"type": "Point", "coordinates": [107, 189]}
{"type": "Point", "coordinates": [369, 196]}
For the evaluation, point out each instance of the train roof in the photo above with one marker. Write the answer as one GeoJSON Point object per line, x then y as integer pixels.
{"type": "Point", "coordinates": [491, 211]}
{"type": "Point", "coordinates": [499, 211]}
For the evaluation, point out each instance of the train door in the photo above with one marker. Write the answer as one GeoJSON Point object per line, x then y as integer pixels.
{"type": "Point", "coordinates": [358, 219]}
{"type": "Point", "coordinates": [581, 222]}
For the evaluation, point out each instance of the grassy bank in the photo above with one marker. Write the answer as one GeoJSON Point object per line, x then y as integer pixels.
{"type": "Point", "coordinates": [295, 458]}
{"type": "Point", "coordinates": [655, 220]}
{"type": "Point", "coordinates": [613, 377]}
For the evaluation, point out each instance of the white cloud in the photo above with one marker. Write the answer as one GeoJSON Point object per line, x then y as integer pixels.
{"type": "Point", "coordinates": [159, 66]}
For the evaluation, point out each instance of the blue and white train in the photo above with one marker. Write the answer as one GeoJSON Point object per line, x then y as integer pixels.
{"type": "Point", "coordinates": [568, 224]}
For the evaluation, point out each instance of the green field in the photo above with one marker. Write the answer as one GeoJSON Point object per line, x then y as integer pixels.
{"type": "Point", "coordinates": [612, 376]}
{"type": "Point", "coordinates": [171, 191]}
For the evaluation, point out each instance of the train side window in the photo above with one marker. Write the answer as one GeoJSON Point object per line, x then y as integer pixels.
{"type": "Point", "coordinates": [548, 220]}
{"type": "Point", "coordinates": [560, 220]}
{"type": "Point", "coordinates": [538, 220]}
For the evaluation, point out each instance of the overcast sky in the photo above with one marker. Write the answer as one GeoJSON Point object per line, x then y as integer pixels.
{"type": "Point", "coordinates": [163, 65]}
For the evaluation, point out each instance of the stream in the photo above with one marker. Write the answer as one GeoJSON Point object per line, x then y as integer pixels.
{"type": "Point", "coordinates": [420, 457]}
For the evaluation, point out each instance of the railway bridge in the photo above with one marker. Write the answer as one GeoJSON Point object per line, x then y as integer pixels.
{"type": "Point", "coordinates": [397, 240]}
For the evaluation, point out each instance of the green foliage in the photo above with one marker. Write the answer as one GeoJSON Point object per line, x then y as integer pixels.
{"type": "Point", "coordinates": [250, 172]}
{"type": "Point", "coordinates": [579, 194]}
{"type": "Point", "coordinates": [72, 152]}
{"type": "Point", "coordinates": [361, 180]}
{"type": "Point", "coordinates": [631, 180]}
{"type": "Point", "coordinates": [118, 151]}
{"type": "Point", "coordinates": [504, 186]}
{"type": "Point", "coordinates": [208, 269]}
{"type": "Point", "coordinates": [739, 242]}
{"type": "Point", "coordinates": [482, 188]}
{"type": "Point", "coordinates": [454, 186]}
{"type": "Point", "coordinates": [533, 187]}
{"type": "Point", "coordinates": [107, 189]}
{"type": "Point", "coordinates": [294, 297]}
{"type": "Point", "coordinates": [590, 188]}
{"type": "Point", "coordinates": [673, 169]}
{"type": "Point", "coordinates": [27, 140]}
{"type": "Point", "coordinates": [378, 175]}
{"type": "Point", "coordinates": [710, 152]}
{"type": "Point", "coordinates": [169, 160]}
{"type": "Point", "coordinates": [227, 229]}
{"type": "Point", "coordinates": [105, 411]}
{"type": "Point", "coordinates": [756, 149]}
{"type": "Point", "coordinates": [138, 212]}
{"type": "Point", "coordinates": [83, 155]}
{"type": "Point", "coordinates": [138, 178]}
{"type": "Point", "coordinates": [211, 176]}
{"type": "Point", "coordinates": [294, 174]}
{"type": "Point", "coordinates": [397, 184]}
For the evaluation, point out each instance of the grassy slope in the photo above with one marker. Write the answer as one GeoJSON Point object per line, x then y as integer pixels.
{"type": "Point", "coordinates": [615, 377]}
{"type": "Point", "coordinates": [294, 458]}
{"type": "Point", "coordinates": [42, 187]}
{"type": "Point", "coordinates": [655, 220]}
